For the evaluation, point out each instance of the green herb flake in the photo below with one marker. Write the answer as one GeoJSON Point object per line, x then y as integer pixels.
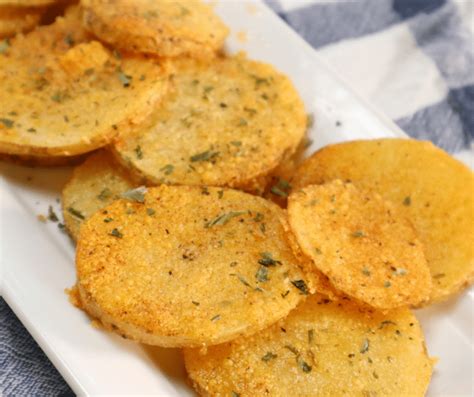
{"type": "Point", "coordinates": [76, 213]}
{"type": "Point", "coordinates": [8, 123]}
{"type": "Point", "coordinates": [262, 274]}
{"type": "Point", "coordinates": [125, 79]}
{"type": "Point", "coordinates": [365, 346]}
{"type": "Point", "coordinates": [234, 394]}
{"type": "Point", "coordinates": [366, 272]}
{"type": "Point", "coordinates": [31, 130]}
{"type": "Point", "coordinates": [57, 97]}
{"type": "Point", "coordinates": [195, 303]}
{"type": "Point", "coordinates": [292, 349]}
{"type": "Point", "coordinates": [318, 251]}
{"type": "Point", "coordinates": [108, 220]}
{"type": "Point", "coordinates": [301, 285]}
{"type": "Point", "coordinates": [105, 194]}
{"type": "Point", "coordinates": [243, 280]}
{"type": "Point", "coordinates": [243, 122]}
{"type": "Point", "coordinates": [303, 364]}
{"type": "Point", "coordinates": [267, 260]}
{"type": "Point", "coordinates": [52, 215]}
{"type": "Point", "coordinates": [407, 201]}
{"type": "Point", "coordinates": [4, 46]}
{"type": "Point", "coordinates": [439, 275]}
{"type": "Point", "coordinates": [167, 169]}
{"type": "Point", "coordinates": [116, 233]}
{"type": "Point", "coordinates": [309, 120]}
{"type": "Point", "coordinates": [69, 40]}
{"type": "Point", "coordinates": [281, 188]}
{"type": "Point", "coordinates": [387, 284]}
{"type": "Point", "coordinates": [400, 271]}
{"type": "Point", "coordinates": [258, 217]}
{"type": "Point", "coordinates": [150, 211]}
{"type": "Point", "coordinates": [285, 294]}
{"type": "Point", "coordinates": [224, 218]}
{"type": "Point", "coordinates": [236, 143]}
{"type": "Point", "coordinates": [217, 317]}
{"type": "Point", "coordinates": [310, 336]}
{"type": "Point", "coordinates": [358, 233]}
{"type": "Point", "coordinates": [208, 155]}
{"type": "Point", "coordinates": [269, 356]}
{"type": "Point", "coordinates": [137, 194]}
{"type": "Point", "coordinates": [220, 194]}
{"type": "Point", "coordinates": [138, 152]}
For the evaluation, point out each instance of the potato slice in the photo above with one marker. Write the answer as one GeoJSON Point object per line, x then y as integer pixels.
{"type": "Point", "coordinates": [27, 3]}
{"type": "Point", "coordinates": [229, 122]}
{"type": "Point", "coordinates": [94, 184]}
{"type": "Point", "coordinates": [187, 266]}
{"type": "Point", "coordinates": [15, 20]}
{"type": "Point", "coordinates": [431, 188]}
{"type": "Point", "coordinates": [322, 348]}
{"type": "Point", "coordinates": [164, 28]}
{"type": "Point", "coordinates": [362, 243]}
{"type": "Point", "coordinates": [64, 94]}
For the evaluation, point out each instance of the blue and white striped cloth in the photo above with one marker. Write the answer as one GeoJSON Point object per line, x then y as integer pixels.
{"type": "Point", "coordinates": [414, 59]}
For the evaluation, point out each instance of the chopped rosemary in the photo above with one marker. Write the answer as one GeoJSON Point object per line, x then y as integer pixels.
{"type": "Point", "coordinates": [167, 169]}
{"type": "Point", "coordinates": [115, 232]}
{"type": "Point", "coordinates": [208, 155]}
{"type": "Point", "coordinates": [269, 356]}
{"type": "Point", "coordinates": [138, 152]}
{"type": "Point", "coordinates": [365, 346]}
{"type": "Point", "coordinates": [52, 215]}
{"type": "Point", "coordinates": [262, 274]}
{"type": "Point", "coordinates": [301, 285]}
{"type": "Point", "coordinates": [76, 213]}
{"type": "Point", "coordinates": [137, 194]}
{"type": "Point", "coordinates": [267, 260]}
{"type": "Point", "coordinates": [224, 218]}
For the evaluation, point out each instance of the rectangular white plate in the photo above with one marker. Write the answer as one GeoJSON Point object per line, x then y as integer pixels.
{"type": "Point", "coordinates": [38, 260]}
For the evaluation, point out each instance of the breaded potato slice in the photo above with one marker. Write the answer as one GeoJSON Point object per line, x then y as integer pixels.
{"type": "Point", "coordinates": [228, 122]}
{"type": "Point", "coordinates": [431, 188]}
{"type": "Point", "coordinates": [362, 243]}
{"type": "Point", "coordinates": [164, 28]}
{"type": "Point", "coordinates": [187, 266]}
{"type": "Point", "coordinates": [322, 348]}
{"type": "Point", "coordinates": [15, 20]}
{"type": "Point", "coordinates": [64, 94]}
{"type": "Point", "coordinates": [93, 185]}
{"type": "Point", "coordinates": [27, 3]}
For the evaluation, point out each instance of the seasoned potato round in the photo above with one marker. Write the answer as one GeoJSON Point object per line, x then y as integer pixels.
{"type": "Point", "coordinates": [322, 348]}
{"type": "Point", "coordinates": [228, 122]}
{"type": "Point", "coordinates": [63, 94]}
{"type": "Point", "coordinates": [15, 20]}
{"type": "Point", "coordinates": [187, 266]}
{"type": "Point", "coordinates": [431, 188]}
{"type": "Point", "coordinates": [94, 184]}
{"type": "Point", "coordinates": [164, 28]}
{"type": "Point", "coordinates": [362, 243]}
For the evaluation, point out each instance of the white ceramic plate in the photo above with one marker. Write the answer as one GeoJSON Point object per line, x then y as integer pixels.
{"type": "Point", "coordinates": [38, 260]}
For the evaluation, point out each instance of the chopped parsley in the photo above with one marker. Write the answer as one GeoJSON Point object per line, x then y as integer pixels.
{"type": "Point", "coordinates": [301, 285]}
{"type": "Point", "coordinates": [358, 233]}
{"type": "Point", "coordinates": [303, 364]}
{"type": "Point", "coordinates": [366, 272]}
{"type": "Point", "coordinates": [150, 211]}
{"type": "Point", "coordinates": [269, 356]}
{"type": "Point", "coordinates": [387, 284]}
{"type": "Point", "coordinates": [8, 123]}
{"type": "Point", "coordinates": [137, 194]}
{"type": "Point", "coordinates": [281, 188]}
{"type": "Point", "coordinates": [76, 213]}
{"type": "Point", "coordinates": [262, 274]}
{"type": "Point", "coordinates": [267, 260]}
{"type": "Point", "coordinates": [167, 169]}
{"type": "Point", "coordinates": [208, 155]}
{"type": "Point", "coordinates": [116, 233]}
{"type": "Point", "coordinates": [224, 218]}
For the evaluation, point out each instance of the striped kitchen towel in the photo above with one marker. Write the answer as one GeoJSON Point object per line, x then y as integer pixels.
{"type": "Point", "coordinates": [413, 59]}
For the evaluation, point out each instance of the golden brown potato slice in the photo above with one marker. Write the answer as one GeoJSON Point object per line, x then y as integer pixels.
{"type": "Point", "coordinates": [164, 28]}
{"type": "Point", "coordinates": [63, 94]}
{"type": "Point", "coordinates": [432, 189]}
{"type": "Point", "coordinates": [15, 20]}
{"type": "Point", "coordinates": [229, 122]}
{"type": "Point", "coordinates": [94, 184]}
{"type": "Point", "coordinates": [362, 243]}
{"type": "Point", "coordinates": [322, 348]}
{"type": "Point", "coordinates": [27, 3]}
{"type": "Point", "coordinates": [187, 266]}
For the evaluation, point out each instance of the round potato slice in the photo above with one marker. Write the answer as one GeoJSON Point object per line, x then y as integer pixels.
{"type": "Point", "coordinates": [228, 122]}
{"type": "Point", "coordinates": [322, 348]}
{"type": "Point", "coordinates": [94, 184]}
{"type": "Point", "coordinates": [164, 28]}
{"type": "Point", "coordinates": [431, 188]}
{"type": "Point", "coordinates": [360, 241]}
{"type": "Point", "coordinates": [64, 95]}
{"type": "Point", "coordinates": [187, 266]}
{"type": "Point", "coordinates": [15, 20]}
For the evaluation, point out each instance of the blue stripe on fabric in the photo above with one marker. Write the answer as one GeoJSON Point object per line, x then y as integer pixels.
{"type": "Point", "coordinates": [409, 8]}
{"type": "Point", "coordinates": [461, 101]}
{"type": "Point", "coordinates": [438, 123]}
{"type": "Point", "coordinates": [24, 369]}
{"type": "Point", "coordinates": [444, 38]}
{"type": "Point", "coordinates": [325, 23]}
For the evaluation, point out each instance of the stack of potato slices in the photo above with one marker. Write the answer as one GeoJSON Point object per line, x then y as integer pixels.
{"type": "Point", "coordinates": [199, 226]}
